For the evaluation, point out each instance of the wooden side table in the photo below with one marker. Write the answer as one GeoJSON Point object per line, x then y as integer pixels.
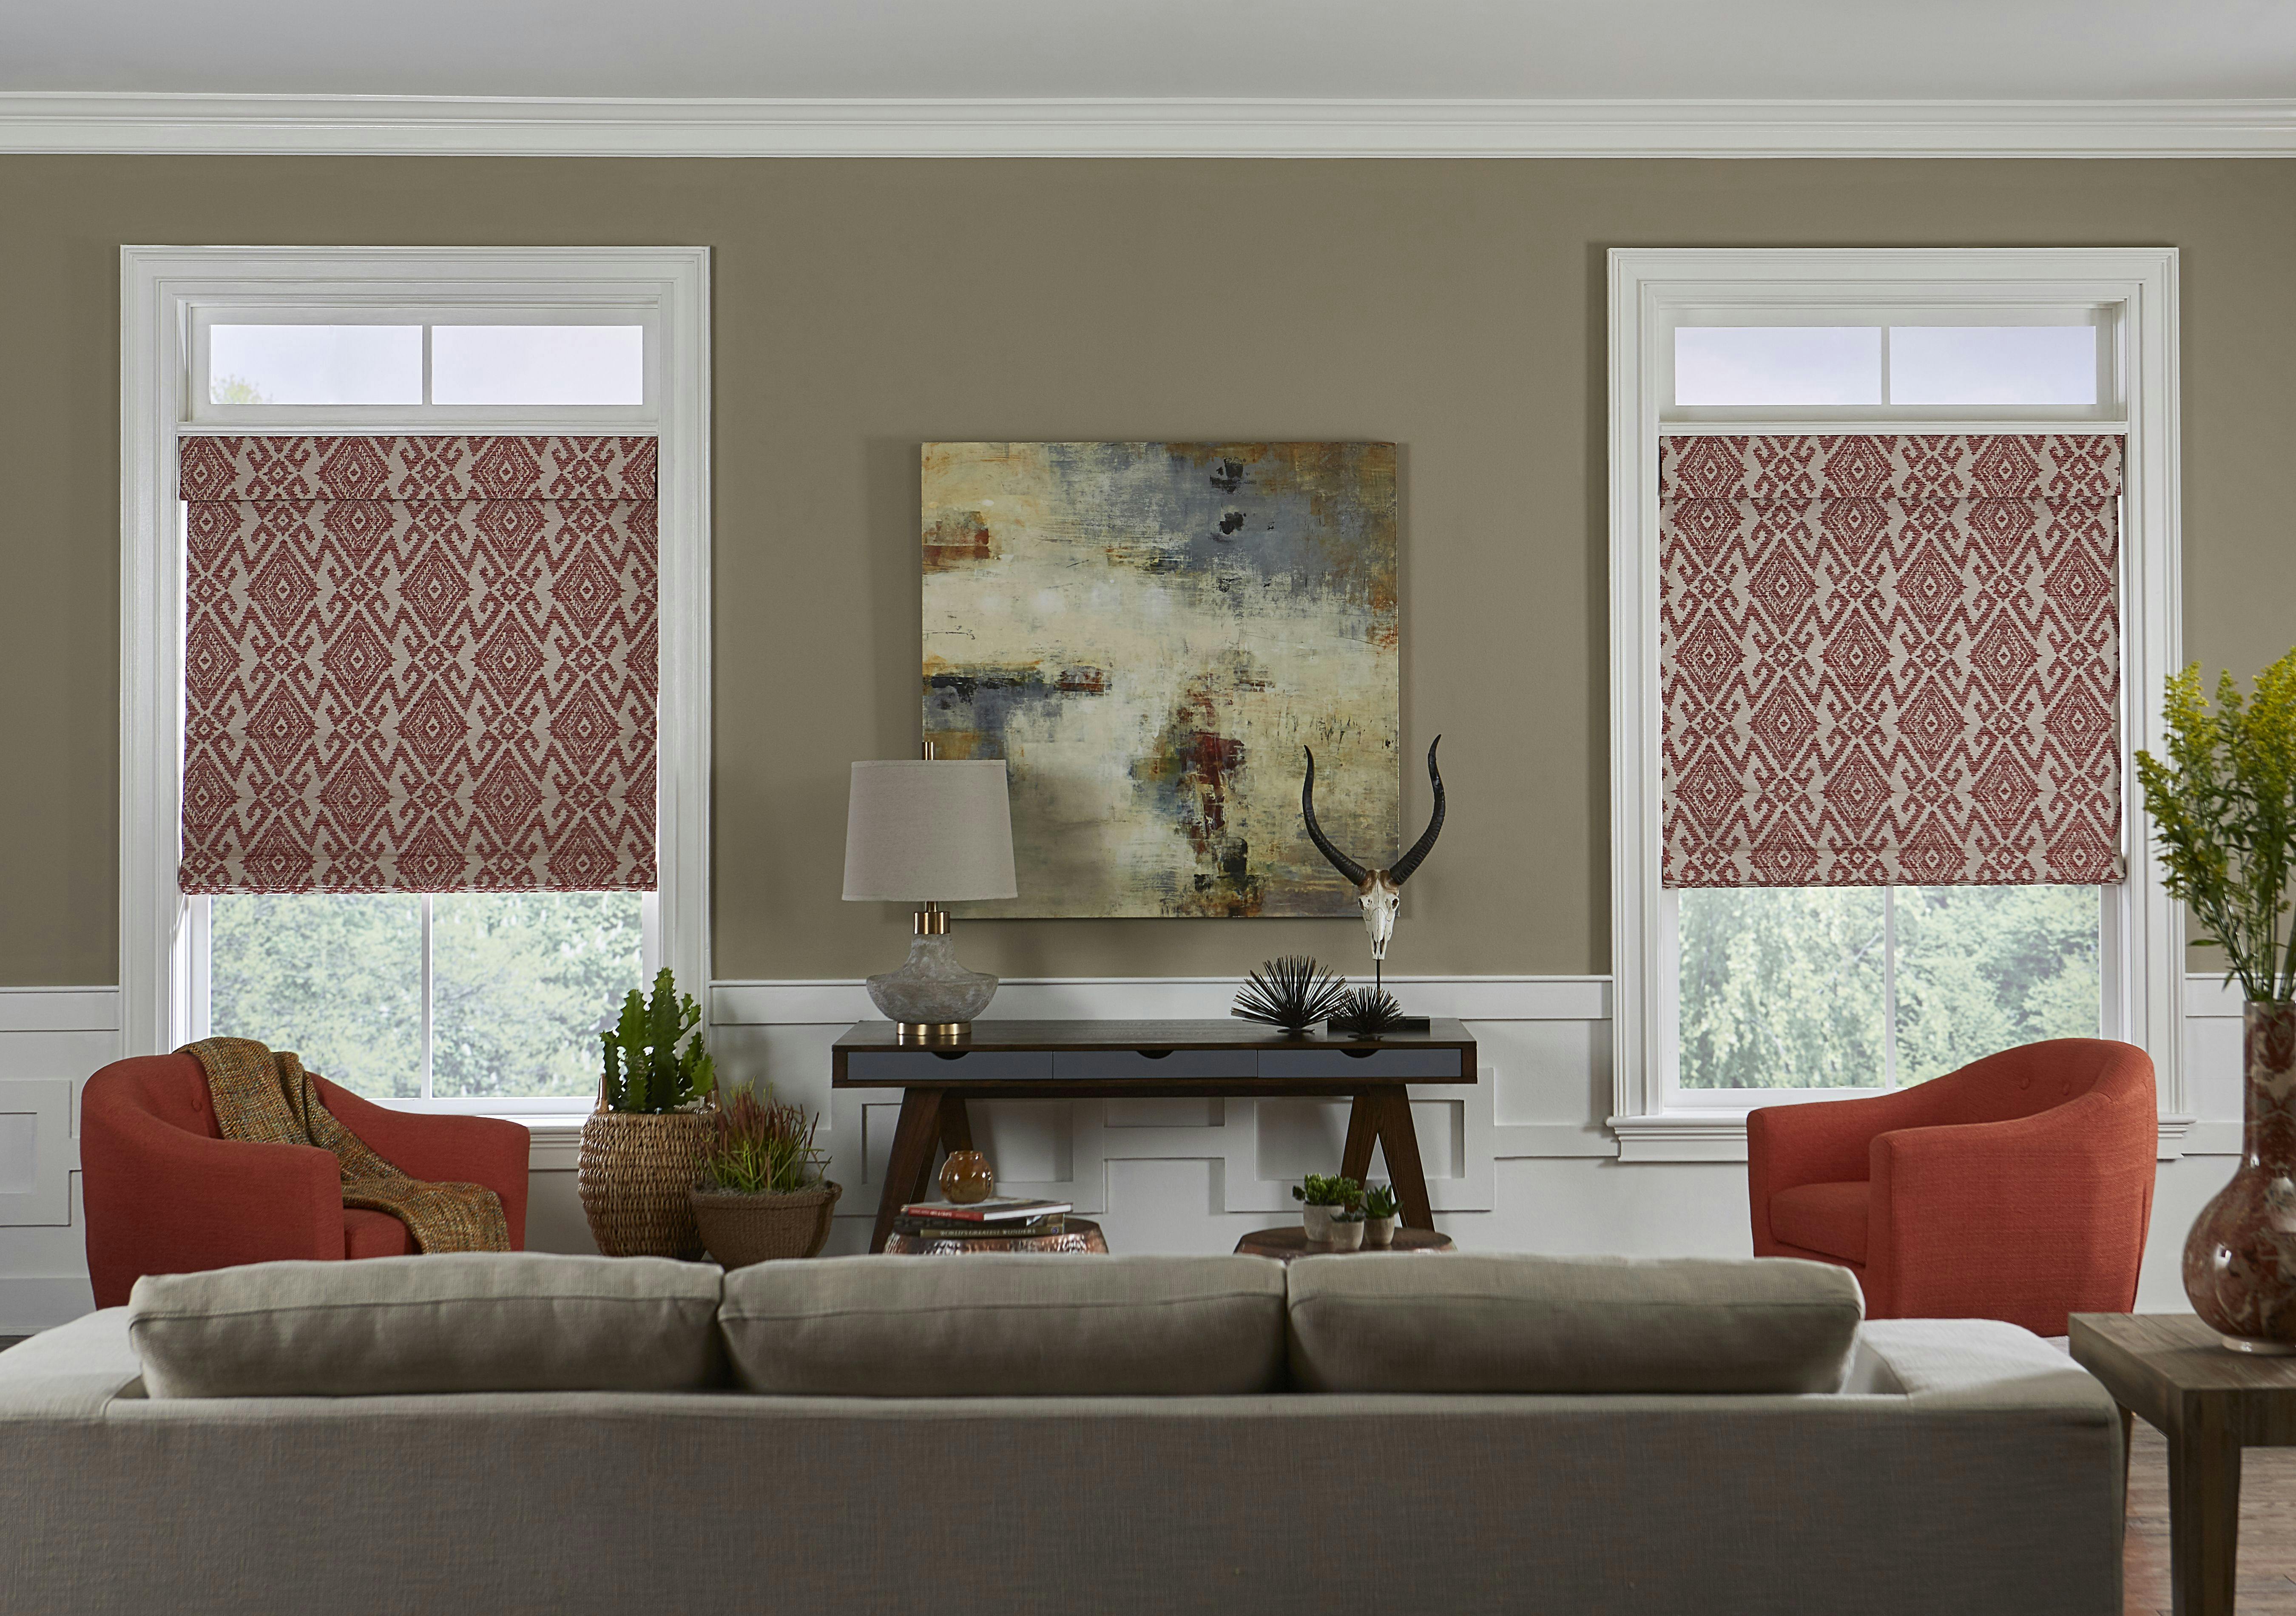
{"type": "Point", "coordinates": [2171, 1371]}
{"type": "Point", "coordinates": [1291, 1241]}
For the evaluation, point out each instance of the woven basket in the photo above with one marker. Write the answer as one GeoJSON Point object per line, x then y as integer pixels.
{"type": "Point", "coordinates": [742, 1229]}
{"type": "Point", "coordinates": [635, 1172]}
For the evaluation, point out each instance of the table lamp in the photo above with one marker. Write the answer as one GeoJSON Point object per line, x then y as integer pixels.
{"type": "Point", "coordinates": [930, 832]}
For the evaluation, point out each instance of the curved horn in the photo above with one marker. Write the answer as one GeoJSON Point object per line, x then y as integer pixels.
{"type": "Point", "coordinates": [1409, 862]}
{"type": "Point", "coordinates": [1340, 862]}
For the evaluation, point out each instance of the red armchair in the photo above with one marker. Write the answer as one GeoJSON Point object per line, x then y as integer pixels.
{"type": "Point", "coordinates": [167, 1193]}
{"type": "Point", "coordinates": [2017, 1188]}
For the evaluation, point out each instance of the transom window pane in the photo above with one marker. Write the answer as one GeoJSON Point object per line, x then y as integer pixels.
{"type": "Point", "coordinates": [521, 985]}
{"type": "Point", "coordinates": [338, 979]}
{"type": "Point", "coordinates": [315, 365]}
{"type": "Point", "coordinates": [1993, 365]}
{"type": "Point", "coordinates": [538, 364]}
{"type": "Point", "coordinates": [1784, 365]}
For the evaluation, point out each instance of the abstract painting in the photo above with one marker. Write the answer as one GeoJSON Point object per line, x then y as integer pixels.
{"type": "Point", "coordinates": [1150, 633]}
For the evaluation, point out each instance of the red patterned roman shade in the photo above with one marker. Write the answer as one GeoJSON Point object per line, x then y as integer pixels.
{"type": "Point", "coordinates": [1889, 659]}
{"type": "Point", "coordinates": [419, 664]}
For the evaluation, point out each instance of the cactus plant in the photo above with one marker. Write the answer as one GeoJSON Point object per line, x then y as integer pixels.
{"type": "Point", "coordinates": [645, 1069]}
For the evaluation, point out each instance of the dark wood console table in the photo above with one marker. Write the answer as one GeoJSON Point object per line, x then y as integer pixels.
{"type": "Point", "coordinates": [1144, 1060]}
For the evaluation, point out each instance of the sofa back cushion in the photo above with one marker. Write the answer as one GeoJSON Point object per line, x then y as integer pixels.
{"type": "Point", "coordinates": [1496, 1324]}
{"type": "Point", "coordinates": [476, 1321]}
{"type": "Point", "coordinates": [1007, 1326]}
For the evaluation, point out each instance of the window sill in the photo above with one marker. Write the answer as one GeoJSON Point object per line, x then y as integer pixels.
{"type": "Point", "coordinates": [1720, 1135]}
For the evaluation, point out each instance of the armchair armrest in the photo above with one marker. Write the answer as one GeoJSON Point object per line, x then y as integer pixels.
{"type": "Point", "coordinates": [162, 1201]}
{"type": "Point", "coordinates": [1816, 1142]}
{"type": "Point", "coordinates": [443, 1148]}
{"type": "Point", "coordinates": [1977, 1219]}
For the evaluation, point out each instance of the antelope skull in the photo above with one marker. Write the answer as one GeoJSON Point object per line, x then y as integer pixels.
{"type": "Point", "coordinates": [1380, 892]}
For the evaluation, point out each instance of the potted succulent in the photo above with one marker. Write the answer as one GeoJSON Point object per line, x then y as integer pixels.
{"type": "Point", "coordinates": [1325, 1198]}
{"type": "Point", "coordinates": [1348, 1227]}
{"type": "Point", "coordinates": [643, 1147]}
{"type": "Point", "coordinates": [1379, 1217]}
{"type": "Point", "coordinates": [2224, 811]}
{"type": "Point", "coordinates": [761, 1194]}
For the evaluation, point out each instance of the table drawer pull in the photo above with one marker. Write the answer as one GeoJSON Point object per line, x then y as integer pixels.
{"type": "Point", "coordinates": [1159, 1066]}
{"type": "Point", "coordinates": [1346, 1063]}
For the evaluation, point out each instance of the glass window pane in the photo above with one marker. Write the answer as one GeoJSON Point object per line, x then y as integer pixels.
{"type": "Point", "coordinates": [315, 365]}
{"type": "Point", "coordinates": [1993, 363]}
{"type": "Point", "coordinates": [338, 979]}
{"type": "Point", "coordinates": [1781, 988]}
{"type": "Point", "coordinates": [522, 983]}
{"type": "Point", "coordinates": [538, 364]}
{"type": "Point", "coordinates": [1982, 968]}
{"type": "Point", "coordinates": [1778, 365]}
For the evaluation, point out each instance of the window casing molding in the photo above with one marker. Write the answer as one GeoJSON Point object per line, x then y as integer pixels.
{"type": "Point", "coordinates": [2142, 952]}
{"type": "Point", "coordinates": [164, 291]}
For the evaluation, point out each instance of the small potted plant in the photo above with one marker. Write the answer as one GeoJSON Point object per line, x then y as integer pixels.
{"type": "Point", "coordinates": [642, 1146]}
{"type": "Point", "coordinates": [761, 1194]}
{"type": "Point", "coordinates": [1348, 1227]}
{"type": "Point", "coordinates": [1379, 1217]}
{"type": "Point", "coordinates": [1325, 1198]}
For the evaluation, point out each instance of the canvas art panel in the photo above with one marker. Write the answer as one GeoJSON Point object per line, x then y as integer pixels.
{"type": "Point", "coordinates": [1150, 635]}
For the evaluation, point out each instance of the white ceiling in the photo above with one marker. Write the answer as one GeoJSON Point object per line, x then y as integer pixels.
{"type": "Point", "coordinates": [1254, 49]}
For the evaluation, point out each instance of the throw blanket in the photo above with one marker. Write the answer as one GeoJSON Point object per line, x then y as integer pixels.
{"type": "Point", "coordinates": [267, 1098]}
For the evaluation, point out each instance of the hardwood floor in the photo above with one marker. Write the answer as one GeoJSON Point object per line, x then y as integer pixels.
{"type": "Point", "coordinates": [2267, 1530]}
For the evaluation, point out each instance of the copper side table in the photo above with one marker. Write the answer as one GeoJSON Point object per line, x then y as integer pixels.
{"type": "Point", "coordinates": [2171, 1371]}
{"type": "Point", "coordinates": [1290, 1242]}
{"type": "Point", "coordinates": [1081, 1238]}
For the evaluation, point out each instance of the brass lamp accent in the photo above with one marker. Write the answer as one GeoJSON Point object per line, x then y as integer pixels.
{"type": "Point", "coordinates": [928, 831]}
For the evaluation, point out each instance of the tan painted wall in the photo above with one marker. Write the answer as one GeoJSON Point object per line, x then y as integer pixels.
{"type": "Point", "coordinates": [1453, 307]}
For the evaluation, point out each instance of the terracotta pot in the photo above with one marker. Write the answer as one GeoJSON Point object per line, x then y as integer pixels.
{"type": "Point", "coordinates": [1379, 1232]}
{"type": "Point", "coordinates": [965, 1178]}
{"type": "Point", "coordinates": [635, 1174]}
{"type": "Point", "coordinates": [1316, 1220]}
{"type": "Point", "coordinates": [2240, 1259]}
{"type": "Point", "coordinates": [742, 1229]}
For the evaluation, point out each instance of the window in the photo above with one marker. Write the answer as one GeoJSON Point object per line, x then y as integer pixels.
{"type": "Point", "coordinates": [1739, 988]}
{"type": "Point", "coordinates": [474, 981]}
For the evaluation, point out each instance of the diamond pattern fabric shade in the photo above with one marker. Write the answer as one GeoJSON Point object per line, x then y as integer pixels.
{"type": "Point", "coordinates": [1889, 659]}
{"type": "Point", "coordinates": [419, 664]}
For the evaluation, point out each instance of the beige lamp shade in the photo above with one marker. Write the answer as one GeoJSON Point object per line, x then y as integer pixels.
{"type": "Point", "coordinates": [919, 832]}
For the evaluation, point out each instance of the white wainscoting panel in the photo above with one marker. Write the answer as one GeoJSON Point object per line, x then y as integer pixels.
{"type": "Point", "coordinates": [1520, 1161]}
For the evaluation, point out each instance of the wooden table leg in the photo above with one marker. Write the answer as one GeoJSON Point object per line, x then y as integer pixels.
{"type": "Point", "coordinates": [915, 1138]}
{"type": "Point", "coordinates": [1363, 1135]}
{"type": "Point", "coordinates": [1401, 1141]}
{"type": "Point", "coordinates": [955, 1123]}
{"type": "Point", "coordinates": [2203, 1510]}
{"type": "Point", "coordinates": [2128, 1441]}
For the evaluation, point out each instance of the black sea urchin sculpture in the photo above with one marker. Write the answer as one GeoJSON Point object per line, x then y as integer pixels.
{"type": "Point", "coordinates": [1366, 1012]}
{"type": "Point", "coordinates": [1292, 992]}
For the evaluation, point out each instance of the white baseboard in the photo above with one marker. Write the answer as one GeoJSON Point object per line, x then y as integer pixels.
{"type": "Point", "coordinates": [1180, 998]}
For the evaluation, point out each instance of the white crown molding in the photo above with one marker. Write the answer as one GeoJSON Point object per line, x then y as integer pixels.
{"type": "Point", "coordinates": [478, 125]}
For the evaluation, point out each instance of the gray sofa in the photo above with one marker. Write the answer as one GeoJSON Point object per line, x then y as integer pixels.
{"type": "Point", "coordinates": [1939, 1466]}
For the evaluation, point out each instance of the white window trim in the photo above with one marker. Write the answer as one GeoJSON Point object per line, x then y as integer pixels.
{"type": "Point", "coordinates": [2143, 953]}
{"type": "Point", "coordinates": [161, 290]}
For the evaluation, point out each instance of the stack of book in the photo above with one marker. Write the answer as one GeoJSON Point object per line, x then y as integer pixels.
{"type": "Point", "coordinates": [999, 1218]}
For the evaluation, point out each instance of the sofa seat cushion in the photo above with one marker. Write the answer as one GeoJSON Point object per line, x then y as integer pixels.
{"type": "Point", "coordinates": [1007, 1327]}
{"type": "Point", "coordinates": [1470, 1322]}
{"type": "Point", "coordinates": [1826, 1218]}
{"type": "Point", "coordinates": [469, 1321]}
{"type": "Point", "coordinates": [374, 1235]}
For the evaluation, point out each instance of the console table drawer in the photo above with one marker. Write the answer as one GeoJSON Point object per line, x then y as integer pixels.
{"type": "Point", "coordinates": [1359, 1064]}
{"type": "Point", "coordinates": [1152, 1066]}
{"type": "Point", "coordinates": [932, 1067]}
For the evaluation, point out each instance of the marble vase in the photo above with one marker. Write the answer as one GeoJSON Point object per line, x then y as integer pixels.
{"type": "Point", "coordinates": [2240, 1259]}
